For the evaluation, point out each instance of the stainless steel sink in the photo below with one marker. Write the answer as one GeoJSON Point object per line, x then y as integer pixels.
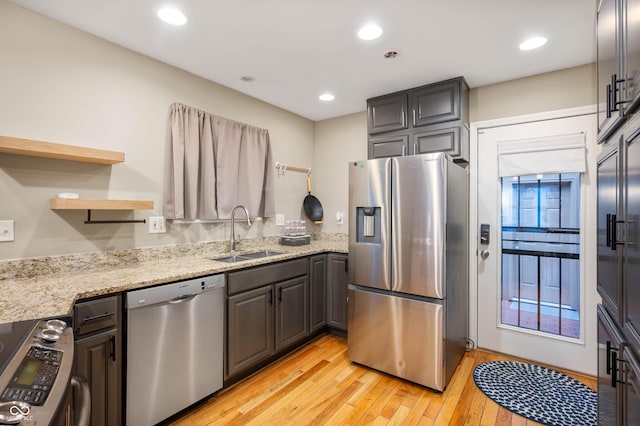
{"type": "Point", "coordinates": [246, 256]}
{"type": "Point", "coordinates": [229, 259]}
{"type": "Point", "coordinates": [261, 254]}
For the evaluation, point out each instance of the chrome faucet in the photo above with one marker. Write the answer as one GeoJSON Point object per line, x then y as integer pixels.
{"type": "Point", "coordinates": [233, 240]}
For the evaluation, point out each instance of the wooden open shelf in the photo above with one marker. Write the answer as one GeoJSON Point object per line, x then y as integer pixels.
{"type": "Point", "coordinates": [10, 145]}
{"type": "Point", "coordinates": [88, 204]}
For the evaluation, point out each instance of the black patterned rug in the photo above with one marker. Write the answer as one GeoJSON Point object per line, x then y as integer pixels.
{"type": "Point", "coordinates": [538, 393]}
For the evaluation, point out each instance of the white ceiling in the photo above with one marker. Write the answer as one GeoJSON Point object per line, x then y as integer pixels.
{"type": "Point", "coordinates": [299, 49]}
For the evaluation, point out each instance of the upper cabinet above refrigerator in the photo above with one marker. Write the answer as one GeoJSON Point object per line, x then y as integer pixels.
{"type": "Point", "coordinates": [618, 62]}
{"type": "Point", "coordinates": [423, 120]}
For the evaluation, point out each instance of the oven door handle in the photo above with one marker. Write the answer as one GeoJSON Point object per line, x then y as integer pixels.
{"type": "Point", "coordinates": [83, 414]}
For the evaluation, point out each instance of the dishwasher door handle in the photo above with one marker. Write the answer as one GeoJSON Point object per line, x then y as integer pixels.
{"type": "Point", "coordinates": [180, 299]}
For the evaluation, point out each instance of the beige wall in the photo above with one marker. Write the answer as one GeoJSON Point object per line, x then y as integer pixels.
{"type": "Point", "coordinates": [337, 142]}
{"type": "Point", "coordinates": [62, 85]}
{"type": "Point", "coordinates": [568, 88]}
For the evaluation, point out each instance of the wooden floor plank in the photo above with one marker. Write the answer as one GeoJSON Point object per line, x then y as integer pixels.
{"type": "Point", "coordinates": [319, 385]}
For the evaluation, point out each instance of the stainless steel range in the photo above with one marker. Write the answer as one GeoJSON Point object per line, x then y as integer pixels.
{"type": "Point", "coordinates": [36, 358]}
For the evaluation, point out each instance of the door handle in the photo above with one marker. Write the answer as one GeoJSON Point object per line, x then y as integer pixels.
{"type": "Point", "coordinates": [484, 254]}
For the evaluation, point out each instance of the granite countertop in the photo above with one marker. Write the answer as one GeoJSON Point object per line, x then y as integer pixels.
{"type": "Point", "coordinates": [54, 294]}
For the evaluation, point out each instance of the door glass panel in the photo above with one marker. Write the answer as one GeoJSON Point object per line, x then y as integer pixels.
{"type": "Point", "coordinates": [541, 253]}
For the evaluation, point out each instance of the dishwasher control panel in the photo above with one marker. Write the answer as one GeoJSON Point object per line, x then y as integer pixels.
{"type": "Point", "coordinates": [178, 292]}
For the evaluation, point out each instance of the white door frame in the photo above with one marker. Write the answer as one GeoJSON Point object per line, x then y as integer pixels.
{"type": "Point", "coordinates": [474, 128]}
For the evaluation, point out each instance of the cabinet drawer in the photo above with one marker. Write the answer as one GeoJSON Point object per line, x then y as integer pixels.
{"type": "Point", "coordinates": [262, 275]}
{"type": "Point", "coordinates": [94, 315]}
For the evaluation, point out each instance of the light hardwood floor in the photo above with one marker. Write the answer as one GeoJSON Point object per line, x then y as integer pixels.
{"type": "Point", "coordinates": [318, 385]}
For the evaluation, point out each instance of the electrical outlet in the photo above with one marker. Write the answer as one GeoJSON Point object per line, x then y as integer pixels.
{"type": "Point", "coordinates": [279, 219]}
{"type": "Point", "coordinates": [157, 225]}
{"type": "Point", "coordinates": [6, 230]}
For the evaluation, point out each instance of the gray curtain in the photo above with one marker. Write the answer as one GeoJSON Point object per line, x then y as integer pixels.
{"type": "Point", "coordinates": [216, 164]}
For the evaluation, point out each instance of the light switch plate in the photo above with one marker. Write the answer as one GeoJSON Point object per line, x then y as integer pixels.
{"type": "Point", "coordinates": [6, 230]}
{"type": "Point", "coordinates": [279, 219]}
{"type": "Point", "coordinates": [157, 225]}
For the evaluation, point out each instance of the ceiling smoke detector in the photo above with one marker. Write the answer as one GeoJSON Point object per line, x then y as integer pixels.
{"type": "Point", "coordinates": [390, 54]}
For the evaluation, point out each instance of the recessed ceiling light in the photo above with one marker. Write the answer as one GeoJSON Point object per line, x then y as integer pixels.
{"type": "Point", "coordinates": [533, 43]}
{"type": "Point", "coordinates": [326, 97]}
{"type": "Point", "coordinates": [370, 32]}
{"type": "Point", "coordinates": [172, 16]}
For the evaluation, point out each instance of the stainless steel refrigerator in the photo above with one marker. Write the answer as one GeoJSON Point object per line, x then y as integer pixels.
{"type": "Point", "coordinates": [408, 266]}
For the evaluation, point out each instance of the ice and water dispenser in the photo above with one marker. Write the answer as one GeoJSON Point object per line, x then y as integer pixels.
{"type": "Point", "coordinates": [368, 225]}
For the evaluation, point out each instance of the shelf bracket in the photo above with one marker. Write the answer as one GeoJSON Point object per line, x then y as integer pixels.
{"type": "Point", "coordinates": [284, 167]}
{"type": "Point", "coordinates": [93, 222]}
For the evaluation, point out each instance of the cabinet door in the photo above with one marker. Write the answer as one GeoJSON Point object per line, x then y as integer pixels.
{"type": "Point", "coordinates": [631, 287]}
{"type": "Point", "coordinates": [387, 113]}
{"type": "Point", "coordinates": [97, 358]}
{"type": "Point", "coordinates": [439, 140]}
{"type": "Point", "coordinates": [337, 291]}
{"type": "Point", "coordinates": [609, 343]}
{"type": "Point", "coordinates": [250, 328]}
{"type": "Point", "coordinates": [632, 54]}
{"type": "Point", "coordinates": [318, 292]}
{"type": "Point", "coordinates": [631, 392]}
{"type": "Point", "coordinates": [608, 25]}
{"type": "Point", "coordinates": [436, 103]}
{"type": "Point", "coordinates": [292, 313]}
{"type": "Point", "coordinates": [608, 224]}
{"type": "Point", "coordinates": [388, 146]}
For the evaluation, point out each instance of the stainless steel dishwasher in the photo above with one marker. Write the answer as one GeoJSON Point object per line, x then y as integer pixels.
{"type": "Point", "coordinates": [175, 345]}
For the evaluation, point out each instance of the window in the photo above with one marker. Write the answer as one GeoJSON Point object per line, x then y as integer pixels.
{"type": "Point", "coordinates": [541, 253]}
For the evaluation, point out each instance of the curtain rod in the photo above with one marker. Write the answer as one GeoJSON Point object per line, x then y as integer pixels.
{"type": "Point", "coordinates": [283, 167]}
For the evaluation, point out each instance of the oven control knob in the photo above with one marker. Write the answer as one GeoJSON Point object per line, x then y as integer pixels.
{"type": "Point", "coordinates": [49, 336]}
{"type": "Point", "coordinates": [56, 325]}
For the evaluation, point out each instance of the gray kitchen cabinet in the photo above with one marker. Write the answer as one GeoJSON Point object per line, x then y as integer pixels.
{"type": "Point", "coordinates": [618, 63]}
{"type": "Point", "coordinates": [250, 328]}
{"type": "Point", "coordinates": [317, 292]}
{"type": "Point", "coordinates": [387, 113]}
{"type": "Point", "coordinates": [292, 311]}
{"type": "Point", "coordinates": [436, 103]}
{"type": "Point", "coordinates": [267, 312]}
{"type": "Point", "coordinates": [98, 356]}
{"type": "Point", "coordinates": [439, 120]}
{"type": "Point", "coordinates": [442, 138]}
{"type": "Point", "coordinates": [337, 280]}
{"type": "Point", "coordinates": [394, 145]}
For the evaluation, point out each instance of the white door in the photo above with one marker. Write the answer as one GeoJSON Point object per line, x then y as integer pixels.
{"type": "Point", "coordinates": [536, 294]}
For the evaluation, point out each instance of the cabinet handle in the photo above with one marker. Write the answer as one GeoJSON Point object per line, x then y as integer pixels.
{"type": "Point", "coordinates": [280, 295]}
{"type": "Point", "coordinates": [614, 232]}
{"type": "Point", "coordinates": [113, 348]}
{"type": "Point", "coordinates": [614, 88]}
{"type": "Point", "coordinates": [608, 244]}
{"type": "Point", "coordinates": [608, 101]}
{"type": "Point", "coordinates": [346, 265]}
{"type": "Point", "coordinates": [414, 116]}
{"type": "Point", "coordinates": [271, 296]}
{"type": "Point", "coordinates": [404, 150]}
{"type": "Point", "coordinates": [415, 149]}
{"type": "Point", "coordinates": [97, 317]}
{"type": "Point", "coordinates": [614, 369]}
{"type": "Point", "coordinates": [610, 350]}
